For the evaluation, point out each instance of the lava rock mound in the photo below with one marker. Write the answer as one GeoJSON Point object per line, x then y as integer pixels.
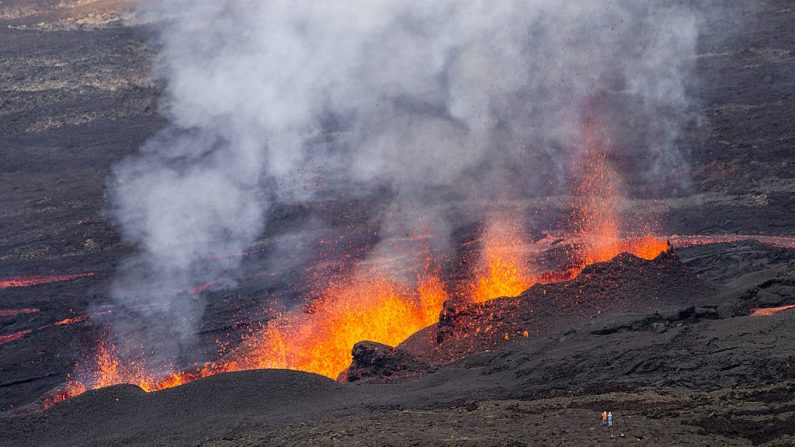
{"type": "Point", "coordinates": [624, 285]}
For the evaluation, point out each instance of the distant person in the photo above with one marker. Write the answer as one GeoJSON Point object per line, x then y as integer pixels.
{"type": "Point", "coordinates": [609, 420]}
{"type": "Point", "coordinates": [604, 420]}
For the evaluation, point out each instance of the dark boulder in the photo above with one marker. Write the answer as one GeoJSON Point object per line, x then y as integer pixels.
{"type": "Point", "coordinates": [376, 362]}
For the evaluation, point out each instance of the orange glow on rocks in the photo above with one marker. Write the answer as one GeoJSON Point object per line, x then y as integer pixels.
{"type": "Point", "coordinates": [14, 337]}
{"type": "Point", "coordinates": [768, 311]}
{"type": "Point", "coordinates": [106, 368]}
{"type": "Point", "coordinates": [111, 371]}
{"type": "Point", "coordinates": [319, 340]}
{"type": "Point", "coordinates": [74, 320]}
{"type": "Point", "coordinates": [27, 281]}
{"type": "Point", "coordinates": [69, 390]}
{"type": "Point", "coordinates": [370, 305]}
{"type": "Point", "coordinates": [6, 313]}
{"type": "Point", "coordinates": [647, 247]}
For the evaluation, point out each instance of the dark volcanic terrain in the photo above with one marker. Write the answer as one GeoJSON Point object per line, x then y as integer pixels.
{"type": "Point", "coordinates": [683, 375]}
{"type": "Point", "coordinates": [669, 346]}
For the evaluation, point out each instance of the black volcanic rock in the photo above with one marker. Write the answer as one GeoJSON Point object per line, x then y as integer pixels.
{"type": "Point", "coordinates": [382, 363]}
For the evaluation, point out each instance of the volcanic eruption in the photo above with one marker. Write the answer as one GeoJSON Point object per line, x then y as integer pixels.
{"type": "Point", "coordinates": [371, 303]}
{"type": "Point", "coordinates": [396, 223]}
{"type": "Point", "coordinates": [448, 133]}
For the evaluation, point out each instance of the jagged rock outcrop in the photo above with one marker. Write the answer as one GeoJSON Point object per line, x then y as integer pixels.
{"type": "Point", "coordinates": [376, 362]}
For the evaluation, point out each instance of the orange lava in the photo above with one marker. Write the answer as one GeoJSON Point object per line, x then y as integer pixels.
{"type": "Point", "coordinates": [111, 371]}
{"type": "Point", "coordinates": [67, 321]}
{"type": "Point", "coordinates": [14, 337]}
{"type": "Point", "coordinates": [75, 320]}
{"type": "Point", "coordinates": [707, 239]}
{"type": "Point", "coordinates": [68, 391]}
{"type": "Point", "coordinates": [597, 204]}
{"type": "Point", "coordinates": [768, 311]}
{"type": "Point", "coordinates": [106, 369]}
{"type": "Point", "coordinates": [373, 305]}
{"type": "Point", "coordinates": [199, 289]}
{"type": "Point", "coordinates": [27, 281]}
{"type": "Point", "coordinates": [647, 247]}
{"type": "Point", "coordinates": [5, 313]}
{"type": "Point", "coordinates": [370, 306]}
{"type": "Point", "coordinates": [504, 269]}
{"type": "Point", "coordinates": [319, 340]}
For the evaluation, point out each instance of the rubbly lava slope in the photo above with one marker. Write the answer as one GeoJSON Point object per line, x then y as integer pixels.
{"type": "Point", "coordinates": [673, 369]}
{"type": "Point", "coordinates": [626, 284]}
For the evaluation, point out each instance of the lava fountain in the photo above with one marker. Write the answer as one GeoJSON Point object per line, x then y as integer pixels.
{"type": "Point", "coordinates": [504, 265]}
{"type": "Point", "coordinates": [597, 206]}
{"type": "Point", "coordinates": [319, 340]}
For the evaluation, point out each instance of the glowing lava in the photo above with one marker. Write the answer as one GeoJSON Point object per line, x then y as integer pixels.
{"type": "Point", "coordinates": [29, 310]}
{"type": "Point", "coordinates": [74, 320]}
{"type": "Point", "coordinates": [768, 311]}
{"type": "Point", "coordinates": [27, 281]}
{"type": "Point", "coordinates": [597, 206]}
{"type": "Point", "coordinates": [15, 336]}
{"type": "Point", "coordinates": [504, 267]}
{"type": "Point", "coordinates": [707, 239]}
{"type": "Point", "coordinates": [317, 340]}
{"type": "Point", "coordinates": [370, 307]}
{"type": "Point", "coordinates": [647, 247]}
{"type": "Point", "coordinates": [105, 369]}
{"type": "Point", "coordinates": [5, 313]}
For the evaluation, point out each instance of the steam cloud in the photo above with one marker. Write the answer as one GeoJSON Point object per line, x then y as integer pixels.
{"type": "Point", "coordinates": [443, 102]}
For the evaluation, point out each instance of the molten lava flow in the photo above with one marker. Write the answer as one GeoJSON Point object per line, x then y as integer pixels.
{"type": "Point", "coordinates": [27, 281]}
{"type": "Point", "coordinates": [707, 239]}
{"type": "Point", "coordinates": [5, 313]}
{"type": "Point", "coordinates": [29, 310]}
{"type": "Point", "coordinates": [197, 290]}
{"type": "Point", "coordinates": [504, 267]}
{"type": "Point", "coordinates": [15, 336]}
{"type": "Point", "coordinates": [74, 320]}
{"type": "Point", "coordinates": [370, 307]}
{"type": "Point", "coordinates": [768, 311]}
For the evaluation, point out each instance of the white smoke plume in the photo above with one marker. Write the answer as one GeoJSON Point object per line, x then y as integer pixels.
{"type": "Point", "coordinates": [444, 101]}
